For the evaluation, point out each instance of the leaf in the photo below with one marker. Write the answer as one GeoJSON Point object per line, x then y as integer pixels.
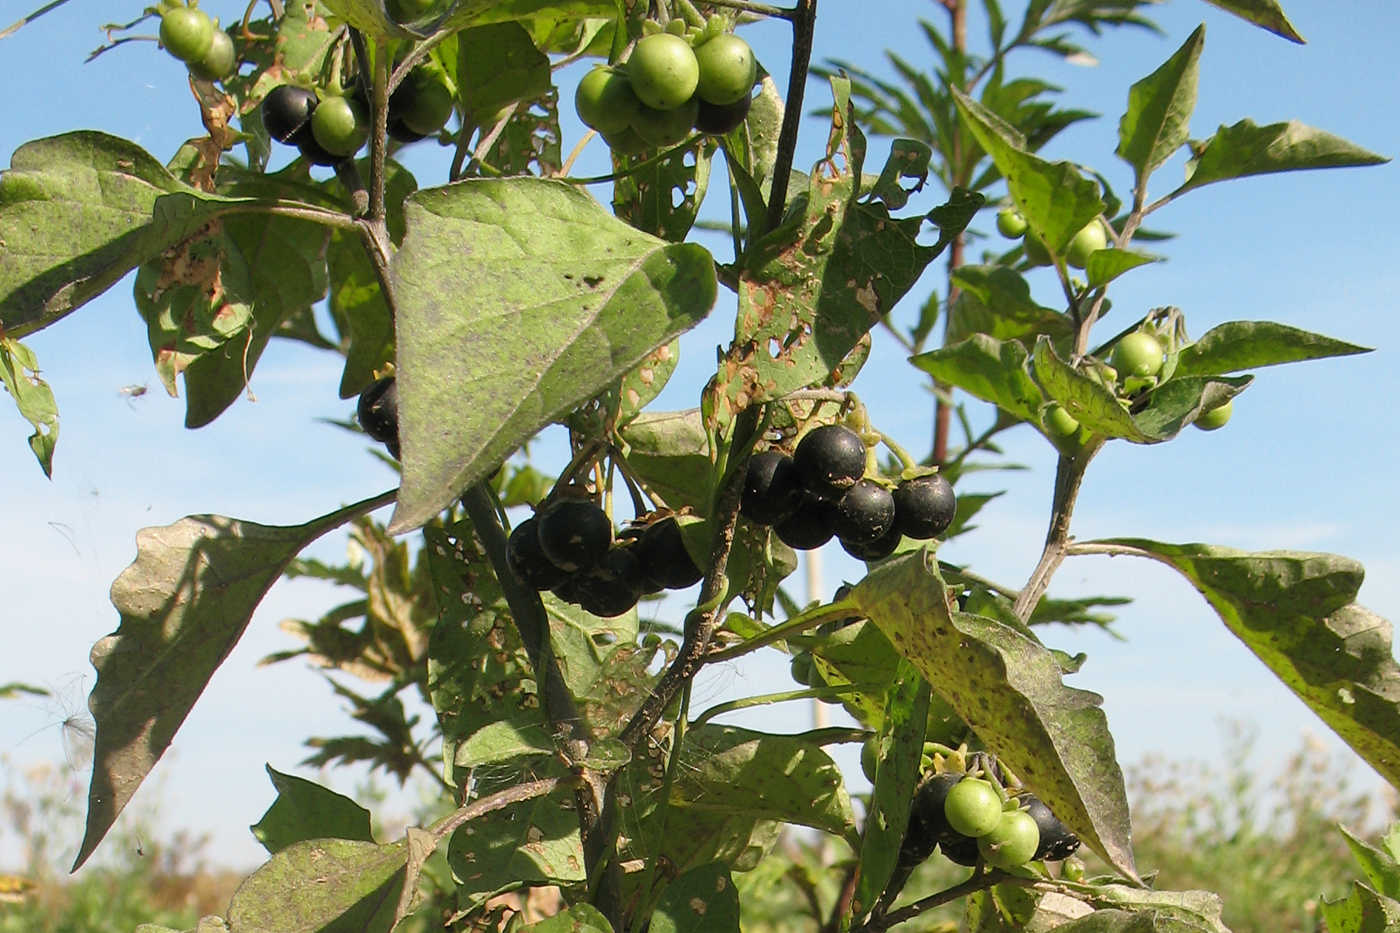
{"type": "Point", "coordinates": [996, 300]}
{"type": "Point", "coordinates": [664, 198]}
{"type": "Point", "coordinates": [1361, 911]}
{"type": "Point", "coordinates": [1056, 200]}
{"type": "Point", "coordinates": [322, 886]}
{"type": "Point", "coordinates": [184, 602]}
{"type": "Point", "coordinates": [305, 810]}
{"type": "Point", "coordinates": [580, 918]}
{"type": "Point", "coordinates": [703, 900]}
{"type": "Point", "coordinates": [1246, 149]}
{"type": "Point", "coordinates": [993, 370]}
{"type": "Point", "coordinates": [1239, 345]}
{"type": "Point", "coordinates": [503, 740]}
{"type": "Point", "coordinates": [1294, 610]}
{"type": "Point", "coordinates": [547, 329]}
{"type": "Point", "coordinates": [1157, 122]}
{"type": "Point", "coordinates": [499, 65]}
{"type": "Point", "coordinates": [1185, 911]}
{"type": "Point", "coordinates": [1126, 921]}
{"type": "Point", "coordinates": [19, 371]}
{"type": "Point", "coordinates": [1266, 14]}
{"type": "Point", "coordinates": [670, 451]}
{"type": "Point", "coordinates": [908, 158]}
{"type": "Point", "coordinates": [1008, 690]}
{"type": "Point", "coordinates": [1380, 868]}
{"type": "Point", "coordinates": [1105, 265]}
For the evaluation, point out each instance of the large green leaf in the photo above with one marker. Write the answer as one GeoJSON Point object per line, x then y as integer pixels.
{"type": "Point", "coordinates": [670, 451]}
{"type": "Point", "coordinates": [1157, 122]}
{"type": "Point", "coordinates": [19, 372]}
{"type": "Point", "coordinates": [498, 337]}
{"type": "Point", "coordinates": [703, 900]}
{"type": "Point", "coordinates": [1295, 611]}
{"type": "Point", "coordinates": [996, 300]}
{"type": "Point", "coordinates": [1266, 14]}
{"type": "Point", "coordinates": [305, 810]}
{"type": "Point", "coordinates": [1008, 690]}
{"type": "Point", "coordinates": [184, 602]}
{"type": "Point", "coordinates": [993, 370]}
{"type": "Point", "coordinates": [1247, 149]}
{"type": "Point", "coordinates": [499, 65]}
{"type": "Point", "coordinates": [322, 886]}
{"type": "Point", "coordinates": [1239, 345]}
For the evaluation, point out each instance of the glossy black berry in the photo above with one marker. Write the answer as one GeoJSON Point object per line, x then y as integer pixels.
{"type": "Point", "coordinates": [315, 153]}
{"type": "Point", "coordinates": [378, 410]}
{"type": "Point", "coordinates": [829, 460]}
{"type": "Point", "coordinates": [928, 826]}
{"type": "Point", "coordinates": [878, 549]}
{"type": "Point", "coordinates": [810, 526]}
{"type": "Point", "coordinates": [663, 556]}
{"type": "Point", "coordinates": [960, 850]}
{"type": "Point", "coordinates": [771, 489]}
{"type": "Point", "coordinates": [527, 558]}
{"type": "Point", "coordinates": [613, 585]}
{"type": "Point", "coordinates": [718, 119]}
{"type": "Point", "coordinates": [286, 113]}
{"type": "Point", "coordinates": [574, 534]}
{"type": "Point", "coordinates": [399, 130]}
{"type": "Point", "coordinates": [924, 507]}
{"type": "Point", "coordinates": [864, 513]}
{"type": "Point", "coordinates": [1056, 841]}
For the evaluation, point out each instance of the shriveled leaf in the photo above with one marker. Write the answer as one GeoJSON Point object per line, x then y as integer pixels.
{"type": "Point", "coordinates": [1007, 688]}
{"type": "Point", "coordinates": [497, 338]}
{"type": "Point", "coordinates": [1239, 345]}
{"type": "Point", "coordinates": [1295, 611]}
{"type": "Point", "coordinates": [1361, 911]}
{"type": "Point", "coordinates": [1157, 122]}
{"type": "Point", "coordinates": [184, 603]}
{"type": "Point", "coordinates": [322, 886]}
{"type": "Point", "coordinates": [1185, 911]}
{"type": "Point", "coordinates": [1105, 265]}
{"type": "Point", "coordinates": [1248, 149]}
{"type": "Point", "coordinates": [19, 372]}
{"type": "Point", "coordinates": [305, 810]}
{"type": "Point", "coordinates": [703, 900]}
{"type": "Point", "coordinates": [1380, 868]}
{"type": "Point", "coordinates": [580, 918]}
{"type": "Point", "coordinates": [1266, 14]}
{"type": "Point", "coordinates": [993, 370]}
{"type": "Point", "coordinates": [1112, 920]}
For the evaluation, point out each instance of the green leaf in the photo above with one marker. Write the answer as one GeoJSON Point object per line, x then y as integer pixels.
{"type": "Point", "coordinates": [322, 886]}
{"type": "Point", "coordinates": [993, 370]}
{"type": "Point", "coordinates": [184, 602]}
{"type": "Point", "coordinates": [1054, 197]}
{"type": "Point", "coordinates": [19, 371]}
{"type": "Point", "coordinates": [1179, 402]}
{"type": "Point", "coordinates": [580, 918]}
{"type": "Point", "coordinates": [1239, 345]}
{"type": "Point", "coordinates": [1185, 911]}
{"type": "Point", "coordinates": [305, 810]}
{"type": "Point", "coordinates": [503, 740]}
{"type": "Point", "coordinates": [1380, 868]}
{"type": "Point", "coordinates": [995, 300]}
{"type": "Point", "coordinates": [900, 743]}
{"type": "Point", "coordinates": [671, 453]}
{"type": "Point", "coordinates": [664, 198]}
{"type": "Point", "coordinates": [499, 65]}
{"type": "Point", "coordinates": [1361, 911]}
{"type": "Point", "coordinates": [1266, 14]}
{"type": "Point", "coordinates": [1157, 122]}
{"type": "Point", "coordinates": [908, 158]}
{"type": "Point", "coordinates": [1105, 265]}
{"type": "Point", "coordinates": [1294, 610]}
{"type": "Point", "coordinates": [545, 329]}
{"type": "Point", "coordinates": [1132, 921]}
{"type": "Point", "coordinates": [703, 900]}
{"type": "Point", "coordinates": [1246, 149]}
{"type": "Point", "coordinates": [1007, 688]}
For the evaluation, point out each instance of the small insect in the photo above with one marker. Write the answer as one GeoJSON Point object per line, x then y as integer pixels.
{"type": "Point", "coordinates": [133, 392]}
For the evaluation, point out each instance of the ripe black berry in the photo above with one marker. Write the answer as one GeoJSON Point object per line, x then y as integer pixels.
{"type": "Point", "coordinates": [399, 130]}
{"type": "Point", "coordinates": [574, 534]}
{"type": "Point", "coordinates": [810, 526]}
{"type": "Point", "coordinates": [959, 849]}
{"type": "Point", "coordinates": [613, 585]}
{"type": "Point", "coordinates": [1056, 841]}
{"type": "Point", "coordinates": [878, 549]}
{"type": "Point", "coordinates": [315, 153]}
{"type": "Point", "coordinates": [378, 412]}
{"type": "Point", "coordinates": [718, 119]}
{"type": "Point", "coordinates": [286, 113]}
{"type": "Point", "coordinates": [663, 556]}
{"type": "Point", "coordinates": [864, 513]}
{"type": "Point", "coordinates": [928, 826]}
{"type": "Point", "coordinates": [924, 506]}
{"type": "Point", "coordinates": [527, 559]}
{"type": "Point", "coordinates": [829, 460]}
{"type": "Point", "coordinates": [771, 489]}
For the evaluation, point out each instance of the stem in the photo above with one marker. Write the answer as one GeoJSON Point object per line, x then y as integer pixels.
{"type": "Point", "coordinates": [836, 612]}
{"type": "Point", "coordinates": [760, 9]}
{"type": "Point", "coordinates": [942, 410]}
{"type": "Point", "coordinates": [804, 19]}
{"type": "Point", "coordinates": [379, 104]}
{"type": "Point", "coordinates": [817, 693]}
{"type": "Point", "coordinates": [497, 801]}
{"type": "Point", "coordinates": [978, 882]}
{"type": "Point", "coordinates": [1069, 474]}
{"type": "Point", "coordinates": [294, 209]}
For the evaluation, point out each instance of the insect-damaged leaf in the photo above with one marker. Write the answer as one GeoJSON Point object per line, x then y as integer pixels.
{"type": "Point", "coordinates": [19, 373]}
{"type": "Point", "coordinates": [184, 603]}
{"type": "Point", "coordinates": [1295, 611]}
{"type": "Point", "coordinates": [322, 886]}
{"type": "Point", "coordinates": [703, 900]}
{"type": "Point", "coordinates": [1008, 690]}
{"type": "Point", "coordinates": [518, 299]}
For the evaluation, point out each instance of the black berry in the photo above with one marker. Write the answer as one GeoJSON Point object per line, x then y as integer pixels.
{"type": "Point", "coordinates": [928, 826]}
{"type": "Point", "coordinates": [315, 153]}
{"type": "Point", "coordinates": [613, 585]}
{"type": "Point", "coordinates": [378, 411]}
{"type": "Point", "coordinates": [399, 130]}
{"type": "Point", "coordinates": [286, 113]}
{"type": "Point", "coordinates": [810, 526]}
{"type": "Point", "coordinates": [718, 119]}
{"type": "Point", "coordinates": [864, 513]}
{"type": "Point", "coordinates": [527, 558]}
{"type": "Point", "coordinates": [878, 549]}
{"type": "Point", "coordinates": [829, 460]}
{"type": "Point", "coordinates": [574, 534]}
{"type": "Point", "coordinates": [1056, 841]}
{"type": "Point", "coordinates": [771, 489]}
{"type": "Point", "coordinates": [663, 556]}
{"type": "Point", "coordinates": [961, 850]}
{"type": "Point", "coordinates": [924, 507]}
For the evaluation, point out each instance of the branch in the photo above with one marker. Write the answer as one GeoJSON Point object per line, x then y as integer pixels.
{"type": "Point", "coordinates": [497, 801]}
{"type": "Point", "coordinates": [978, 882]}
{"type": "Point", "coordinates": [1069, 474]}
{"type": "Point", "coordinates": [804, 19]}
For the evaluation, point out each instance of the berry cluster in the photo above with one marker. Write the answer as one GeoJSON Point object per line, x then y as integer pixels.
{"type": "Point", "coordinates": [568, 547]}
{"type": "Point", "coordinates": [673, 83]}
{"type": "Point", "coordinates": [965, 818]}
{"type": "Point", "coordinates": [1091, 238]}
{"type": "Point", "coordinates": [330, 127]}
{"type": "Point", "coordinates": [191, 36]}
{"type": "Point", "coordinates": [821, 491]}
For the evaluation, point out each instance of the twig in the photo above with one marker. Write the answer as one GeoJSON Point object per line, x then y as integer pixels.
{"type": "Point", "coordinates": [1069, 473]}
{"type": "Point", "coordinates": [497, 801]}
{"type": "Point", "coordinates": [978, 882]}
{"type": "Point", "coordinates": [804, 19]}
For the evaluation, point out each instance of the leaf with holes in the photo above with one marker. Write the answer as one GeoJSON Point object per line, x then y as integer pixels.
{"type": "Point", "coordinates": [664, 198]}
{"type": "Point", "coordinates": [546, 330]}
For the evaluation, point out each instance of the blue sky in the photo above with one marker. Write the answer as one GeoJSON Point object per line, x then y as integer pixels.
{"type": "Point", "coordinates": [1306, 463]}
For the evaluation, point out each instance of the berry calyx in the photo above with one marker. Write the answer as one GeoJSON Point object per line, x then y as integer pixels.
{"type": "Point", "coordinates": [1213, 418]}
{"type": "Point", "coordinates": [663, 557]}
{"type": "Point", "coordinates": [973, 807]}
{"type": "Point", "coordinates": [286, 112]}
{"type": "Point", "coordinates": [864, 513]}
{"type": "Point", "coordinates": [727, 69]}
{"type": "Point", "coordinates": [575, 534]}
{"type": "Point", "coordinates": [924, 506]}
{"type": "Point", "coordinates": [663, 70]}
{"type": "Point", "coordinates": [186, 33]}
{"type": "Point", "coordinates": [772, 491]}
{"type": "Point", "coordinates": [829, 460]}
{"type": "Point", "coordinates": [1137, 354]}
{"type": "Point", "coordinates": [527, 558]}
{"type": "Point", "coordinates": [1010, 223]}
{"type": "Point", "coordinates": [1012, 842]}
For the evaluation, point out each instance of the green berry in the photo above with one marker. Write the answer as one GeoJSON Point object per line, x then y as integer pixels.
{"type": "Point", "coordinates": [1137, 354]}
{"type": "Point", "coordinates": [186, 33]}
{"type": "Point", "coordinates": [1090, 239]}
{"type": "Point", "coordinates": [1012, 842]}
{"type": "Point", "coordinates": [973, 808]}
{"type": "Point", "coordinates": [1010, 223]}
{"type": "Point", "coordinates": [663, 70]}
